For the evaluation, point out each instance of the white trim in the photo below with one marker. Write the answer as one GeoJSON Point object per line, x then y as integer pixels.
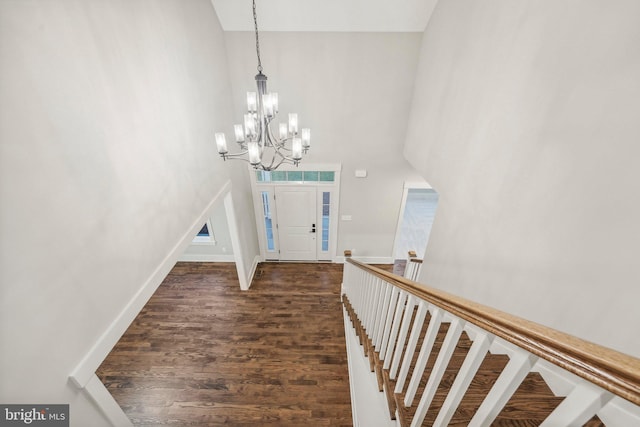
{"type": "Point", "coordinates": [98, 393]}
{"type": "Point", "coordinates": [424, 185]}
{"type": "Point", "coordinates": [328, 167]}
{"type": "Point", "coordinates": [254, 266]}
{"type": "Point", "coordinates": [258, 207]}
{"type": "Point", "coordinates": [199, 241]}
{"type": "Point", "coordinates": [234, 233]}
{"type": "Point", "coordinates": [207, 258]}
{"type": "Point", "coordinates": [368, 405]}
{"type": "Point", "coordinates": [352, 387]}
{"type": "Point", "coordinates": [205, 240]}
{"type": "Point", "coordinates": [333, 186]}
{"type": "Point", "coordinates": [405, 192]}
{"type": "Point", "coordinates": [84, 372]}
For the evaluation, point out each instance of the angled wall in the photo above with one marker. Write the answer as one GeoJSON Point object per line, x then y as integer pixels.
{"type": "Point", "coordinates": [525, 120]}
{"type": "Point", "coordinates": [107, 163]}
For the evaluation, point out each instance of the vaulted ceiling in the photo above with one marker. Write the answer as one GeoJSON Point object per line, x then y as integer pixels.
{"type": "Point", "coordinates": [326, 15]}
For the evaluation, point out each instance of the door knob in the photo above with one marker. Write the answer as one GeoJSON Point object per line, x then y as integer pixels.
{"type": "Point", "coordinates": [313, 228]}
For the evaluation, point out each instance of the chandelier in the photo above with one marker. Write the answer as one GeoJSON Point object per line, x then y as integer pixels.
{"type": "Point", "coordinates": [257, 142]}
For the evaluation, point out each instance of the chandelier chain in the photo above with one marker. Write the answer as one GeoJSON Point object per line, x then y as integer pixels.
{"type": "Point", "coordinates": [255, 22]}
{"type": "Point", "coordinates": [259, 146]}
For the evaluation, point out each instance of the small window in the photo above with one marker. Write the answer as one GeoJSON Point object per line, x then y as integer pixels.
{"type": "Point", "coordinates": [204, 231]}
{"type": "Point", "coordinates": [205, 235]}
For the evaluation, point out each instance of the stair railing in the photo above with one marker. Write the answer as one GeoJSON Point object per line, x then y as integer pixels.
{"type": "Point", "coordinates": [394, 315]}
{"type": "Point", "coordinates": [412, 268]}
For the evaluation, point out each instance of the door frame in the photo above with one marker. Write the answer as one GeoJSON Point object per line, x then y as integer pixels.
{"type": "Point", "coordinates": [333, 187]}
{"type": "Point", "coordinates": [408, 185]}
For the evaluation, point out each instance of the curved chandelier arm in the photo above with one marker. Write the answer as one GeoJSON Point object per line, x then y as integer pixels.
{"type": "Point", "coordinates": [277, 143]}
{"type": "Point", "coordinates": [235, 156]}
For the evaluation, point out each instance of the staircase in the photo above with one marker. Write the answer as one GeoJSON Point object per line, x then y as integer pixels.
{"type": "Point", "coordinates": [437, 368]}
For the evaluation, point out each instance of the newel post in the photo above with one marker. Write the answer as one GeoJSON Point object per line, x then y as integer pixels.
{"type": "Point", "coordinates": [345, 274]}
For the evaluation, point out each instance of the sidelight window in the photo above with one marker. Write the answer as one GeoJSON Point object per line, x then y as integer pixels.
{"type": "Point", "coordinates": [268, 222]}
{"type": "Point", "coordinates": [326, 209]}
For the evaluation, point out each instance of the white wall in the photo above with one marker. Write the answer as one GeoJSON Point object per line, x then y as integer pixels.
{"type": "Point", "coordinates": [525, 120]}
{"type": "Point", "coordinates": [221, 249]}
{"type": "Point", "coordinates": [107, 162]}
{"type": "Point", "coordinates": [354, 91]}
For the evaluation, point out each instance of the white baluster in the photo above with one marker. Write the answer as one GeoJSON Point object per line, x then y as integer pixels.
{"type": "Point", "coordinates": [620, 412]}
{"type": "Point", "coordinates": [382, 290]}
{"type": "Point", "coordinates": [393, 301]}
{"type": "Point", "coordinates": [367, 302]}
{"type": "Point", "coordinates": [411, 346]}
{"type": "Point", "coordinates": [357, 291]}
{"type": "Point", "coordinates": [382, 315]}
{"type": "Point", "coordinates": [519, 365]}
{"type": "Point", "coordinates": [579, 406]}
{"type": "Point", "coordinates": [408, 272]}
{"type": "Point", "coordinates": [402, 299]}
{"type": "Point", "coordinates": [448, 346]}
{"type": "Point", "coordinates": [465, 375]}
{"type": "Point", "coordinates": [371, 309]}
{"type": "Point", "coordinates": [375, 293]}
{"type": "Point", "coordinates": [364, 294]}
{"type": "Point", "coordinates": [423, 357]}
{"type": "Point", "coordinates": [402, 337]}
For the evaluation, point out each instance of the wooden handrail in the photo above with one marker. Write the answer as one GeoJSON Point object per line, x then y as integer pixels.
{"type": "Point", "coordinates": [613, 371]}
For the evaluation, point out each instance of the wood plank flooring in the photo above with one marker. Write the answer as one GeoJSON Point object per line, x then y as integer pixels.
{"type": "Point", "coordinates": [204, 353]}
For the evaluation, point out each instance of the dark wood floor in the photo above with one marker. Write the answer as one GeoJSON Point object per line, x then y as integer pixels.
{"type": "Point", "coordinates": [204, 353]}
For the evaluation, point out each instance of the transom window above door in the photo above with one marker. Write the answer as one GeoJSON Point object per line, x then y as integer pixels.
{"type": "Point", "coordinates": [301, 177]}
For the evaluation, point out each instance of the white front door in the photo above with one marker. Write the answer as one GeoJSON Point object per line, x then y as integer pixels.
{"type": "Point", "coordinates": [297, 231]}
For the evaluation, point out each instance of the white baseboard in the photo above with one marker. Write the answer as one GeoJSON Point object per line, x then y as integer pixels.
{"type": "Point", "coordinates": [83, 376]}
{"type": "Point", "coordinates": [207, 258]}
